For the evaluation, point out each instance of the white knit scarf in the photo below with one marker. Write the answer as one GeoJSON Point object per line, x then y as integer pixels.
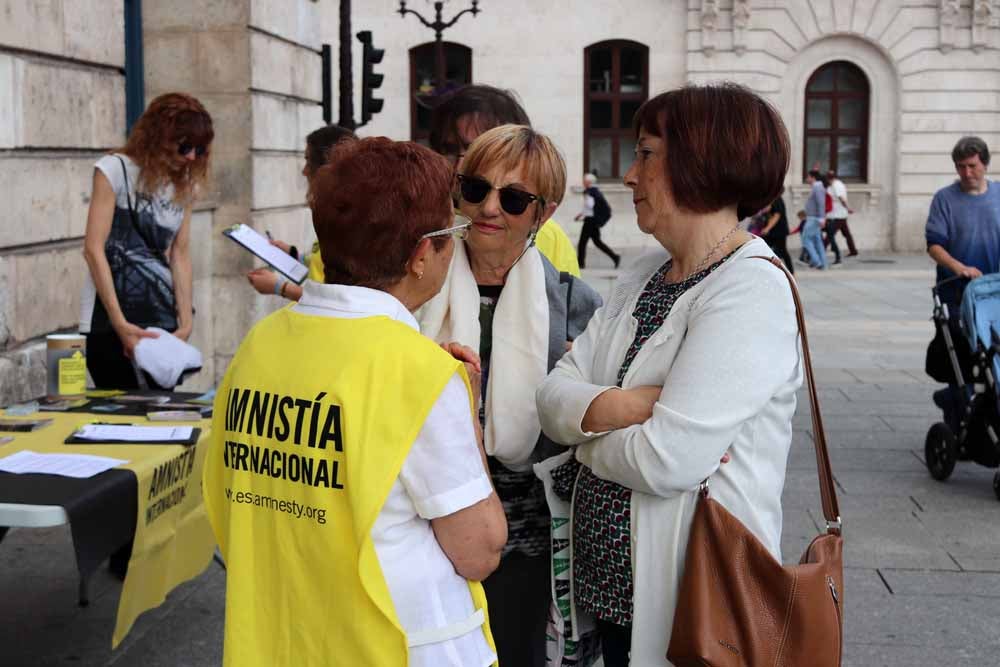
{"type": "Point", "coordinates": [519, 359]}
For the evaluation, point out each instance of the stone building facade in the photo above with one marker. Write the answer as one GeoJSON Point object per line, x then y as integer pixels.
{"type": "Point", "coordinates": [256, 66]}
{"type": "Point", "coordinates": [883, 87]}
{"type": "Point", "coordinates": [930, 73]}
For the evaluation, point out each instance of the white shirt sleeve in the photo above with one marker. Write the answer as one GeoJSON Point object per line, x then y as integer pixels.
{"type": "Point", "coordinates": [444, 472]}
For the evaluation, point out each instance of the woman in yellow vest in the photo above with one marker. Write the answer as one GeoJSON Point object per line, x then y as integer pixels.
{"type": "Point", "coordinates": [346, 484]}
{"type": "Point", "coordinates": [506, 300]}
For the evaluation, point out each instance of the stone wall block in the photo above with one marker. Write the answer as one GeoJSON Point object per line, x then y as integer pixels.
{"type": "Point", "coordinates": [10, 107]}
{"type": "Point", "coordinates": [231, 120]}
{"type": "Point", "coordinates": [47, 293]}
{"type": "Point", "coordinates": [187, 15]}
{"type": "Point", "coordinates": [8, 284]}
{"type": "Point", "coordinates": [909, 19]}
{"type": "Point", "coordinates": [950, 100]}
{"type": "Point", "coordinates": [957, 80]}
{"type": "Point", "coordinates": [95, 30]}
{"type": "Point", "coordinates": [285, 69]}
{"type": "Point", "coordinates": [295, 20]}
{"type": "Point", "coordinates": [940, 144]}
{"type": "Point", "coordinates": [68, 107]}
{"type": "Point", "coordinates": [275, 123]}
{"type": "Point", "coordinates": [32, 24]}
{"type": "Point", "coordinates": [170, 61]}
{"type": "Point", "coordinates": [53, 196]}
{"type": "Point", "coordinates": [310, 118]}
{"type": "Point", "coordinates": [293, 226]}
{"type": "Point", "coordinates": [963, 123]}
{"type": "Point", "coordinates": [222, 61]}
{"type": "Point", "coordinates": [229, 181]}
{"type": "Point", "coordinates": [277, 181]}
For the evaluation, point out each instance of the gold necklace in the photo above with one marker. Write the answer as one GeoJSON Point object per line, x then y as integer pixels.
{"type": "Point", "coordinates": [711, 252]}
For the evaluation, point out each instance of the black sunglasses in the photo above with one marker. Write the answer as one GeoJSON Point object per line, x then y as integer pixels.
{"type": "Point", "coordinates": [183, 148]}
{"type": "Point", "coordinates": [474, 190]}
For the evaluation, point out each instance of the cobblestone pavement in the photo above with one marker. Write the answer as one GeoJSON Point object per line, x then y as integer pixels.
{"type": "Point", "coordinates": [923, 566]}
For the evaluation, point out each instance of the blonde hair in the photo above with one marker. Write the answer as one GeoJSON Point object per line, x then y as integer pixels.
{"type": "Point", "coordinates": [513, 146]}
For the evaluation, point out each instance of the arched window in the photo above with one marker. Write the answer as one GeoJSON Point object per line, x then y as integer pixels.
{"type": "Point", "coordinates": [424, 89]}
{"type": "Point", "coordinates": [616, 83]}
{"type": "Point", "coordinates": [836, 134]}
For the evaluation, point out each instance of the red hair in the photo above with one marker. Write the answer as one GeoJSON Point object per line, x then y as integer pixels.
{"type": "Point", "coordinates": [725, 145]}
{"type": "Point", "coordinates": [154, 140]}
{"type": "Point", "coordinates": [372, 203]}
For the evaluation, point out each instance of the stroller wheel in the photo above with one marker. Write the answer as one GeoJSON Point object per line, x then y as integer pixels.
{"type": "Point", "coordinates": [940, 451]}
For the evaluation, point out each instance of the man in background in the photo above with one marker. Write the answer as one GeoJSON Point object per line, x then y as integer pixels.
{"type": "Point", "coordinates": [595, 214]}
{"type": "Point", "coordinates": [836, 220]}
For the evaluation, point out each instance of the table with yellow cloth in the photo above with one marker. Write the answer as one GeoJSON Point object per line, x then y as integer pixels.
{"type": "Point", "coordinates": [172, 541]}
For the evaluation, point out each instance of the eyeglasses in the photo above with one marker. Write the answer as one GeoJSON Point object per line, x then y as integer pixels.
{"type": "Point", "coordinates": [474, 190]}
{"type": "Point", "coordinates": [183, 148]}
{"type": "Point", "coordinates": [459, 231]}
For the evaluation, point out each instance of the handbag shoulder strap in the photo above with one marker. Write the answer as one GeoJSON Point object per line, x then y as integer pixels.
{"type": "Point", "coordinates": [828, 492]}
{"type": "Point", "coordinates": [135, 223]}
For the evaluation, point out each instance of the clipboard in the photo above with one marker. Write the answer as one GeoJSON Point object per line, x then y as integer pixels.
{"type": "Point", "coordinates": [188, 442]}
{"type": "Point", "coordinates": [259, 246]}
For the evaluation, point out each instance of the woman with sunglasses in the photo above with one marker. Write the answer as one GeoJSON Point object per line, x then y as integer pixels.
{"type": "Point", "coordinates": [689, 376]}
{"type": "Point", "coordinates": [138, 231]}
{"type": "Point", "coordinates": [383, 568]}
{"type": "Point", "coordinates": [504, 299]}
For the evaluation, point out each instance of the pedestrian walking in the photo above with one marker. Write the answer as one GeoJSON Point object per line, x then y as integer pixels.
{"type": "Point", "coordinates": [697, 357]}
{"type": "Point", "coordinates": [595, 214]}
{"type": "Point", "coordinates": [837, 218]}
{"type": "Point", "coordinates": [137, 242]}
{"type": "Point", "coordinates": [812, 234]}
{"type": "Point", "coordinates": [367, 546]}
{"type": "Point", "coordinates": [775, 231]}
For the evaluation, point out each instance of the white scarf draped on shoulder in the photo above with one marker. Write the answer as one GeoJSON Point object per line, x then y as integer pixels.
{"type": "Point", "coordinates": [519, 359]}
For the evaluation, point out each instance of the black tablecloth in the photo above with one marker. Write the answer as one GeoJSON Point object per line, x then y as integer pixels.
{"type": "Point", "coordinates": [101, 509]}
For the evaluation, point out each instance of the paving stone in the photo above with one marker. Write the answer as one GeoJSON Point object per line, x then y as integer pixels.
{"type": "Point", "coordinates": [934, 584]}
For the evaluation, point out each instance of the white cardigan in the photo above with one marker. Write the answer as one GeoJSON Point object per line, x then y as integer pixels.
{"type": "Point", "coordinates": [728, 359]}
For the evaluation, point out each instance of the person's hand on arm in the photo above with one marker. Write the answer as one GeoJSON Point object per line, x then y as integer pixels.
{"type": "Point", "coordinates": [183, 274]}
{"type": "Point", "coordinates": [99, 219]}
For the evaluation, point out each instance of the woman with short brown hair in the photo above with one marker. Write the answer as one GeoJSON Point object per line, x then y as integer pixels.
{"type": "Point", "coordinates": [695, 358]}
{"type": "Point", "coordinates": [138, 230]}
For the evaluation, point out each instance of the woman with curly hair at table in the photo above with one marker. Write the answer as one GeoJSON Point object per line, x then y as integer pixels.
{"type": "Point", "coordinates": [137, 240]}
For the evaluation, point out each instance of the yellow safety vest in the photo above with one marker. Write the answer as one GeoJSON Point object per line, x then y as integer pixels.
{"type": "Point", "coordinates": [312, 423]}
{"type": "Point", "coordinates": [316, 271]}
{"type": "Point", "coordinates": [552, 242]}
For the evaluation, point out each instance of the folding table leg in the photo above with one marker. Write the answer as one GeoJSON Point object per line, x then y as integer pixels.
{"type": "Point", "coordinates": [84, 590]}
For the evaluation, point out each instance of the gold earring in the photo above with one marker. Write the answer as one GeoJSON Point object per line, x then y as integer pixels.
{"type": "Point", "coordinates": [420, 276]}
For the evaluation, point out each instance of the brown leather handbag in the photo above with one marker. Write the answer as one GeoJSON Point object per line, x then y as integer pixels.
{"type": "Point", "coordinates": [737, 605]}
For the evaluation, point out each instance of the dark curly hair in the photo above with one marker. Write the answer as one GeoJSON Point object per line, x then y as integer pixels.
{"type": "Point", "coordinates": [153, 142]}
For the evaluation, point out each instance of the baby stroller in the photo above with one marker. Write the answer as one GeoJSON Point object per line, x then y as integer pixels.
{"type": "Point", "coordinates": [971, 403]}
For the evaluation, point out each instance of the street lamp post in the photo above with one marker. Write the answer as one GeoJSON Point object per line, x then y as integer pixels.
{"type": "Point", "coordinates": [439, 25]}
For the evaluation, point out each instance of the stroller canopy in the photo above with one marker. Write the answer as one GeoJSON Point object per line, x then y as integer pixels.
{"type": "Point", "coordinates": [981, 311]}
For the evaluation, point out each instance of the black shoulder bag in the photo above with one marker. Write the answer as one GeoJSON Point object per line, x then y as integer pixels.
{"type": "Point", "coordinates": [140, 272]}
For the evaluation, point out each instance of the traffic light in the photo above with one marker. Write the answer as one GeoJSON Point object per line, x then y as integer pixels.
{"type": "Point", "coordinates": [370, 80]}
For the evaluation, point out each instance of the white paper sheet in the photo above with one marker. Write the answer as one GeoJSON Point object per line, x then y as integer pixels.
{"type": "Point", "coordinates": [113, 432]}
{"type": "Point", "coordinates": [260, 246]}
{"type": "Point", "coordinates": [67, 465]}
